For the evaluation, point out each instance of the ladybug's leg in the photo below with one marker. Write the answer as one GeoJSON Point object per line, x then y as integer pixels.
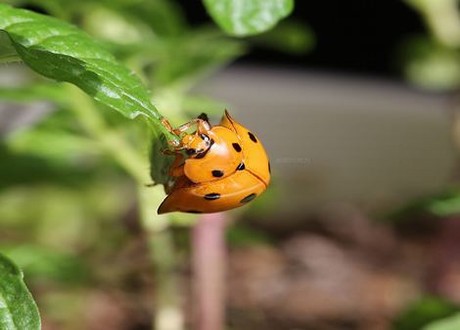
{"type": "Point", "coordinates": [174, 145]}
{"type": "Point", "coordinates": [182, 128]}
{"type": "Point", "coordinates": [201, 126]}
{"type": "Point", "coordinates": [165, 122]}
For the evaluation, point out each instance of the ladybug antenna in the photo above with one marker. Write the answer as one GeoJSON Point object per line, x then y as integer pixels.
{"type": "Point", "coordinates": [204, 117]}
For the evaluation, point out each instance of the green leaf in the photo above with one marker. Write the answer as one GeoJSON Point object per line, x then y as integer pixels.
{"type": "Point", "coordinates": [17, 307]}
{"type": "Point", "coordinates": [450, 323]}
{"type": "Point", "coordinates": [248, 17]}
{"type": "Point", "coordinates": [61, 51]}
{"type": "Point", "coordinates": [7, 51]}
{"type": "Point", "coordinates": [423, 312]}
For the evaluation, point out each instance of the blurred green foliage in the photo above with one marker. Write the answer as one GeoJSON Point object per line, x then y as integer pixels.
{"type": "Point", "coordinates": [432, 61]}
{"type": "Point", "coordinates": [450, 323]}
{"type": "Point", "coordinates": [430, 64]}
{"type": "Point", "coordinates": [423, 312]}
{"type": "Point", "coordinates": [240, 235]}
{"type": "Point", "coordinates": [442, 204]}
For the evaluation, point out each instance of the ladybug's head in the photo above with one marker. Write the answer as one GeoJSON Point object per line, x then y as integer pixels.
{"type": "Point", "coordinates": [196, 144]}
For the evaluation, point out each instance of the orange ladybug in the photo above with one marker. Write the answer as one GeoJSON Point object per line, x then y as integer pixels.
{"type": "Point", "coordinates": [216, 168]}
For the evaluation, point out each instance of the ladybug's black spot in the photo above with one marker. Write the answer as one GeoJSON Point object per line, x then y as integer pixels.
{"type": "Point", "coordinates": [241, 167]}
{"type": "Point", "coordinates": [190, 151]}
{"type": "Point", "coordinates": [269, 168]}
{"type": "Point", "coordinates": [212, 196]}
{"type": "Point", "coordinates": [248, 198]}
{"type": "Point", "coordinates": [237, 147]}
{"type": "Point", "coordinates": [217, 173]}
{"type": "Point", "coordinates": [252, 137]}
{"type": "Point", "coordinates": [194, 211]}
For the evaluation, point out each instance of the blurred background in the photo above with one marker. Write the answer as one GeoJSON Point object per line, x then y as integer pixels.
{"type": "Point", "coordinates": [356, 103]}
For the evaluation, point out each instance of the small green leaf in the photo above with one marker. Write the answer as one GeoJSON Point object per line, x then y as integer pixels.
{"type": "Point", "coordinates": [248, 17]}
{"type": "Point", "coordinates": [450, 323]}
{"type": "Point", "coordinates": [424, 311]}
{"type": "Point", "coordinates": [17, 307]}
{"type": "Point", "coordinates": [61, 51]}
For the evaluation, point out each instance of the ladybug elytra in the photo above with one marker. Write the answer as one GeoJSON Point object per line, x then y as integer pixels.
{"type": "Point", "coordinates": [216, 168]}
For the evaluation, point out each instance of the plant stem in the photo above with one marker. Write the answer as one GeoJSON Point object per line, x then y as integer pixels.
{"type": "Point", "coordinates": [109, 140]}
{"type": "Point", "coordinates": [168, 308]}
{"type": "Point", "coordinates": [208, 263]}
{"type": "Point", "coordinates": [161, 248]}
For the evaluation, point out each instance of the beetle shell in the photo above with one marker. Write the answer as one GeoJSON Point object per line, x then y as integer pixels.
{"type": "Point", "coordinates": [218, 161]}
{"type": "Point", "coordinates": [230, 192]}
{"type": "Point", "coordinates": [232, 171]}
{"type": "Point", "coordinates": [256, 159]}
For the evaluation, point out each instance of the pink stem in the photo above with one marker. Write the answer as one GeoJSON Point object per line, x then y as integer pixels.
{"type": "Point", "coordinates": [209, 268]}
